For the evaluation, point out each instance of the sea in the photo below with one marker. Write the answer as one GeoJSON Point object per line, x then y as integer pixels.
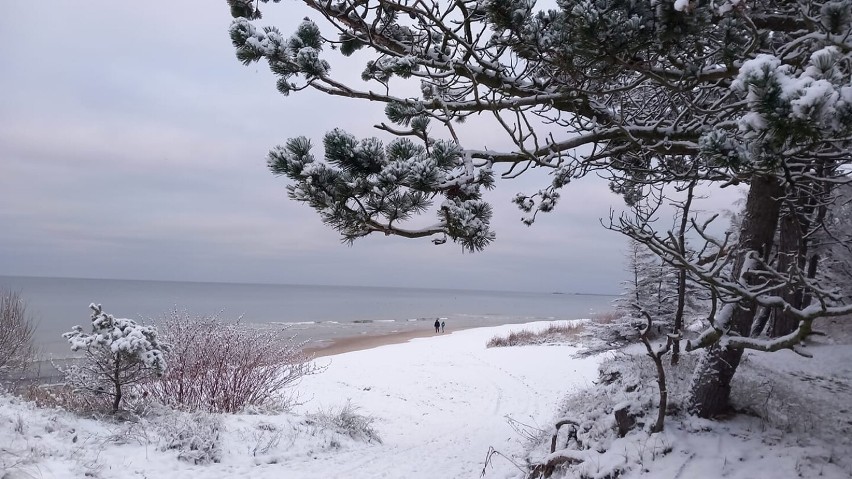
{"type": "Point", "coordinates": [316, 314]}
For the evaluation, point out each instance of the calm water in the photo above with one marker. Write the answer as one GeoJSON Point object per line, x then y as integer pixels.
{"type": "Point", "coordinates": [318, 313]}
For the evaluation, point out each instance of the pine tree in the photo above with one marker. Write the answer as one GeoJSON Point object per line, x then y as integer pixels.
{"type": "Point", "coordinates": [118, 354]}
{"type": "Point", "coordinates": [651, 287]}
{"type": "Point", "coordinates": [649, 93]}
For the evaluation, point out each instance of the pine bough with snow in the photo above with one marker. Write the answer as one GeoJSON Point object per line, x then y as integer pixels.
{"type": "Point", "coordinates": [655, 95]}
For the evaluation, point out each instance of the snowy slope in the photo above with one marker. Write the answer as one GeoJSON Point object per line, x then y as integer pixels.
{"type": "Point", "coordinates": [442, 402]}
{"type": "Point", "coordinates": [439, 404]}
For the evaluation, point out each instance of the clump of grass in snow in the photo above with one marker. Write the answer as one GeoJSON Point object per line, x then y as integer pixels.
{"type": "Point", "coordinates": [554, 333]}
{"type": "Point", "coordinates": [347, 421]}
{"type": "Point", "coordinates": [195, 436]}
{"type": "Point", "coordinates": [607, 317]}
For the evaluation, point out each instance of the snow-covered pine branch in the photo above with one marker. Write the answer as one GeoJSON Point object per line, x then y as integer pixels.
{"type": "Point", "coordinates": [362, 187]}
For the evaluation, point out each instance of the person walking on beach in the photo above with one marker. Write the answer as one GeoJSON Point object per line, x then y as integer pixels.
{"type": "Point", "coordinates": [443, 323]}
{"type": "Point", "coordinates": [437, 326]}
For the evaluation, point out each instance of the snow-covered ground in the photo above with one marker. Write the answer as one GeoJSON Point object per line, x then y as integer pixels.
{"type": "Point", "coordinates": [794, 421]}
{"type": "Point", "coordinates": [439, 404]}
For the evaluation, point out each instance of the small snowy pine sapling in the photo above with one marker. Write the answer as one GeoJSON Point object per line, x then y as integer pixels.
{"type": "Point", "coordinates": [118, 353]}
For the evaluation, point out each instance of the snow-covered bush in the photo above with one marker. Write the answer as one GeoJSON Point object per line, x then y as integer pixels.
{"type": "Point", "coordinates": [119, 354]}
{"type": "Point", "coordinates": [195, 436]}
{"type": "Point", "coordinates": [16, 335]}
{"type": "Point", "coordinates": [346, 420]}
{"type": "Point", "coordinates": [226, 367]}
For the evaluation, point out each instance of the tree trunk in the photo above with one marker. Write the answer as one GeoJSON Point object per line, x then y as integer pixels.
{"type": "Point", "coordinates": [678, 322]}
{"type": "Point", "coordinates": [681, 273]}
{"type": "Point", "coordinates": [791, 256]}
{"type": "Point", "coordinates": [117, 383]}
{"type": "Point", "coordinates": [664, 393]}
{"type": "Point", "coordinates": [711, 386]}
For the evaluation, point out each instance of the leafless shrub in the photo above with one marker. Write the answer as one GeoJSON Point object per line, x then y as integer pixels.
{"type": "Point", "coordinates": [554, 333]}
{"type": "Point", "coordinates": [615, 330]}
{"type": "Point", "coordinates": [221, 367]}
{"type": "Point", "coordinates": [128, 430]}
{"type": "Point", "coordinates": [262, 439]}
{"type": "Point", "coordinates": [17, 329]}
{"type": "Point", "coordinates": [61, 396]}
{"type": "Point", "coordinates": [527, 431]}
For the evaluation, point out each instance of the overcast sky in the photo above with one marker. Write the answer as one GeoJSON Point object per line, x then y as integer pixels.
{"type": "Point", "coordinates": [133, 144]}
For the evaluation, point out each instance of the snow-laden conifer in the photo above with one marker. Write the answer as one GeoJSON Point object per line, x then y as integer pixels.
{"type": "Point", "coordinates": [118, 354]}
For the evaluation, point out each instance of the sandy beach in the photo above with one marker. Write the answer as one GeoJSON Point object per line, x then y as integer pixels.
{"type": "Point", "coordinates": [370, 341]}
{"type": "Point", "coordinates": [47, 373]}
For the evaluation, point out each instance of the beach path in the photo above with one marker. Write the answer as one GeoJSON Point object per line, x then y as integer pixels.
{"type": "Point", "coordinates": [440, 403]}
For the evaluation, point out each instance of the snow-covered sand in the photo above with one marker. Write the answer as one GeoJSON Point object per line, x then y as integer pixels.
{"type": "Point", "coordinates": [439, 404]}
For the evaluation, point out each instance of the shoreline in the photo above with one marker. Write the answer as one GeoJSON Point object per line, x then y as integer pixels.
{"type": "Point", "coordinates": [369, 341]}
{"type": "Point", "coordinates": [46, 372]}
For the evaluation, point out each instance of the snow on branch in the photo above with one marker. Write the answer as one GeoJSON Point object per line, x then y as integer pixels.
{"type": "Point", "coordinates": [119, 354]}
{"type": "Point", "coordinates": [364, 186]}
{"type": "Point", "coordinates": [121, 336]}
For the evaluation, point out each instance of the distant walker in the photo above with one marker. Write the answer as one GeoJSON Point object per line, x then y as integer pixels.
{"type": "Point", "coordinates": [443, 323]}
{"type": "Point", "coordinates": [437, 326]}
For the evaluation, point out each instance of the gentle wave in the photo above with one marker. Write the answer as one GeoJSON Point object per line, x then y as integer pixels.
{"type": "Point", "coordinates": [314, 312]}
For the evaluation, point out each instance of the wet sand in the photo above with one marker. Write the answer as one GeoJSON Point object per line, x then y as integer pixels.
{"type": "Point", "coordinates": [362, 342]}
